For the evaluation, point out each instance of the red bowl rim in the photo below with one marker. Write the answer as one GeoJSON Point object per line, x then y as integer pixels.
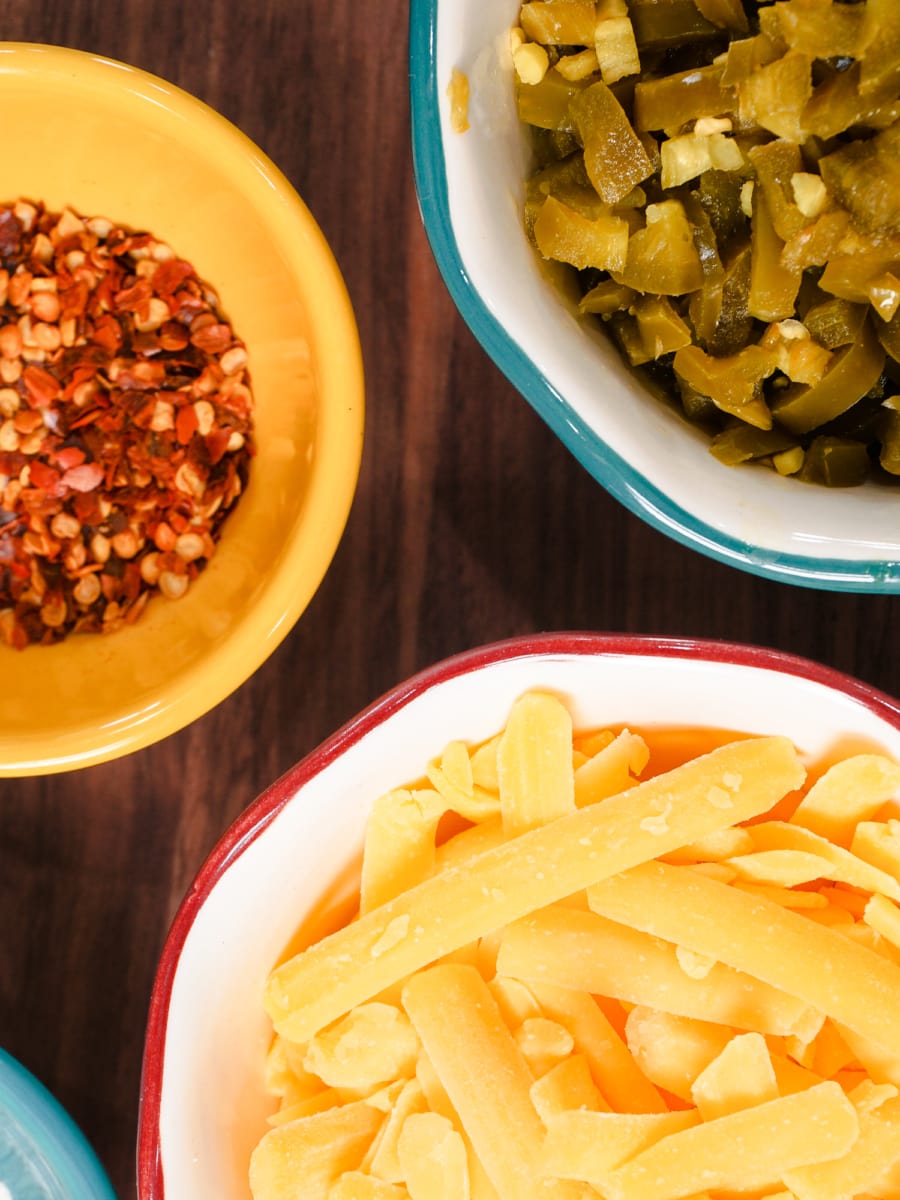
{"type": "Point", "coordinates": [262, 811]}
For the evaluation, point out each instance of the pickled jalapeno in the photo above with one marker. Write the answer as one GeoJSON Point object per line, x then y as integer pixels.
{"type": "Point", "coordinates": [721, 178]}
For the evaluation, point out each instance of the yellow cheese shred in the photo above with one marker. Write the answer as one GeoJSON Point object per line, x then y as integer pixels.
{"type": "Point", "coordinates": [810, 961]}
{"type": "Point", "coordinates": [539, 867]}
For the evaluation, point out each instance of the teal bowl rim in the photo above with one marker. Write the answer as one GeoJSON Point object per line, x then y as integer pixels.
{"type": "Point", "coordinates": [616, 475]}
{"type": "Point", "coordinates": [52, 1131]}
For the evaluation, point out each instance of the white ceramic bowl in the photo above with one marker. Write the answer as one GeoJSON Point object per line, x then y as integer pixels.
{"type": "Point", "coordinates": [203, 1105]}
{"type": "Point", "coordinates": [471, 192]}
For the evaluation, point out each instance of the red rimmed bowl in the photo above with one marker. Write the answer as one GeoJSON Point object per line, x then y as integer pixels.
{"type": "Point", "coordinates": [203, 1104]}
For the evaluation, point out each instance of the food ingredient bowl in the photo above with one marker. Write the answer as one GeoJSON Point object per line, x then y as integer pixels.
{"type": "Point", "coordinates": [471, 193]}
{"type": "Point", "coordinates": [203, 1103]}
{"type": "Point", "coordinates": [102, 138]}
{"type": "Point", "coordinates": [43, 1155]}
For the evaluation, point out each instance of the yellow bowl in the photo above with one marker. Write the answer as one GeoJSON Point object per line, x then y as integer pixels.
{"type": "Point", "coordinates": [106, 139]}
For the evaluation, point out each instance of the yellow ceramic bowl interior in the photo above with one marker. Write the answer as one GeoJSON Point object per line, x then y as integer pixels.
{"type": "Point", "coordinates": [105, 139]}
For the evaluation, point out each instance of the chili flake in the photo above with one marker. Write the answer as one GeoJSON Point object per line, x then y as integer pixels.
{"type": "Point", "coordinates": [125, 423]}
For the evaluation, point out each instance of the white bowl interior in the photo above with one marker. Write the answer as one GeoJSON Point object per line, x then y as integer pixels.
{"type": "Point", "coordinates": [213, 1107]}
{"type": "Point", "coordinates": [485, 174]}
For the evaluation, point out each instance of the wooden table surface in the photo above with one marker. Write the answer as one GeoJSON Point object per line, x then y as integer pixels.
{"type": "Point", "coordinates": [471, 523]}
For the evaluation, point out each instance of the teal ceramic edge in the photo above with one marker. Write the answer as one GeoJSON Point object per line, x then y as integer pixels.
{"type": "Point", "coordinates": [68, 1158]}
{"type": "Point", "coordinates": [624, 483]}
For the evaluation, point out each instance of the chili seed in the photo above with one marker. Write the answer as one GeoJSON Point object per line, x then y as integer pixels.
{"type": "Point", "coordinates": [75, 557]}
{"type": "Point", "coordinates": [188, 481]}
{"type": "Point", "coordinates": [164, 537]}
{"type": "Point", "coordinates": [207, 382]}
{"type": "Point", "coordinates": [189, 546]}
{"type": "Point", "coordinates": [125, 543]}
{"type": "Point", "coordinates": [25, 333]}
{"type": "Point", "coordinates": [87, 590]}
{"type": "Point", "coordinates": [45, 305]}
{"type": "Point", "coordinates": [150, 568]}
{"type": "Point", "coordinates": [240, 394]}
{"type": "Point", "coordinates": [47, 337]}
{"type": "Point", "coordinates": [25, 213]}
{"type": "Point", "coordinates": [173, 586]}
{"type": "Point", "coordinates": [68, 224]}
{"type": "Point", "coordinates": [233, 360]}
{"type": "Point", "coordinates": [10, 341]}
{"type": "Point", "coordinates": [9, 401]}
{"type": "Point", "coordinates": [157, 313]}
{"type": "Point", "coordinates": [68, 331]}
{"type": "Point", "coordinates": [36, 580]}
{"type": "Point", "coordinates": [42, 249]}
{"type": "Point", "coordinates": [53, 610]}
{"type": "Point", "coordinates": [84, 393]}
{"type": "Point", "coordinates": [65, 525]}
{"type": "Point", "coordinates": [100, 227]}
{"type": "Point", "coordinates": [19, 287]}
{"type": "Point", "coordinates": [206, 417]}
{"type": "Point", "coordinates": [35, 542]}
{"type": "Point", "coordinates": [206, 511]}
{"type": "Point", "coordinates": [100, 548]}
{"type": "Point", "coordinates": [163, 416]}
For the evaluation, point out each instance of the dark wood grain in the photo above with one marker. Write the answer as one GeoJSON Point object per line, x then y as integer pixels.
{"type": "Point", "coordinates": [471, 523]}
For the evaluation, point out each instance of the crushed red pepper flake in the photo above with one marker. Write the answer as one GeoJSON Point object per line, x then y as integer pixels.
{"type": "Point", "coordinates": [125, 423]}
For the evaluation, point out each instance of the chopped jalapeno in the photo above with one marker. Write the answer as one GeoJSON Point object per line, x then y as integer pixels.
{"type": "Point", "coordinates": [721, 181]}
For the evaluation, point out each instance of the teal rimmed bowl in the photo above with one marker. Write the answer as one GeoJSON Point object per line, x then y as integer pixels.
{"type": "Point", "coordinates": [471, 189]}
{"type": "Point", "coordinates": [43, 1154]}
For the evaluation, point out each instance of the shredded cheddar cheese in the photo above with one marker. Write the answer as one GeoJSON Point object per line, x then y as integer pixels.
{"type": "Point", "coordinates": [642, 989]}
